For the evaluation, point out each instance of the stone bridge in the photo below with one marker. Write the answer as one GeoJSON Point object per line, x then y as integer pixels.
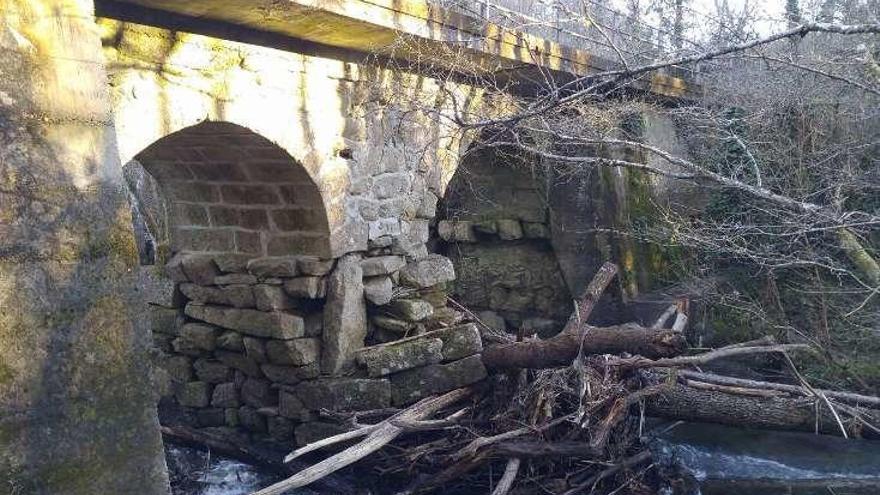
{"type": "Point", "coordinates": [296, 229]}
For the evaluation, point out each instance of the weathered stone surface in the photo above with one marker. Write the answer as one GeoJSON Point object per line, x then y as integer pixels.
{"type": "Point", "coordinates": [433, 270]}
{"type": "Point", "coordinates": [212, 416]}
{"type": "Point", "coordinates": [412, 385]}
{"type": "Point", "coordinates": [486, 226]}
{"type": "Point", "coordinates": [174, 268]}
{"type": "Point", "coordinates": [458, 342]}
{"type": "Point", "coordinates": [255, 349]}
{"type": "Point", "coordinates": [195, 338]}
{"type": "Point", "coordinates": [193, 394]}
{"type": "Point", "coordinates": [313, 431]}
{"type": "Point", "coordinates": [306, 287]}
{"type": "Point", "coordinates": [179, 368]}
{"type": "Point", "coordinates": [231, 341]}
{"type": "Point", "coordinates": [535, 230]}
{"type": "Point", "coordinates": [344, 394]}
{"type": "Point", "coordinates": [436, 297]}
{"type": "Point", "coordinates": [296, 352]}
{"type": "Point", "coordinates": [446, 317]}
{"type": "Point", "coordinates": [309, 265]}
{"type": "Point", "coordinates": [258, 393]}
{"type": "Point", "coordinates": [235, 279]}
{"type": "Point", "coordinates": [378, 290]}
{"type": "Point", "coordinates": [393, 324]}
{"type": "Point", "coordinates": [239, 296]}
{"type": "Point", "coordinates": [544, 327]}
{"type": "Point", "coordinates": [382, 265]}
{"type": "Point", "coordinates": [276, 325]}
{"type": "Point", "coordinates": [390, 358]}
{"type": "Point", "coordinates": [290, 406]}
{"type": "Point", "coordinates": [251, 420]}
{"type": "Point", "coordinates": [290, 375]}
{"type": "Point", "coordinates": [271, 298]}
{"type": "Point", "coordinates": [164, 320]}
{"type": "Point", "coordinates": [212, 371]}
{"type": "Point", "coordinates": [231, 416]}
{"type": "Point", "coordinates": [232, 262]}
{"type": "Point", "coordinates": [411, 309]}
{"type": "Point", "coordinates": [280, 429]}
{"type": "Point", "coordinates": [509, 229]}
{"type": "Point", "coordinates": [225, 395]}
{"type": "Point", "coordinates": [345, 316]}
{"type": "Point", "coordinates": [282, 266]}
{"type": "Point", "coordinates": [492, 320]}
{"type": "Point", "coordinates": [199, 268]}
{"type": "Point", "coordinates": [240, 362]}
{"type": "Point", "coordinates": [381, 242]}
{"type": "Point", "coordinates": [163, 342]}
{"type": "Point", "coordinates": [456, 231]}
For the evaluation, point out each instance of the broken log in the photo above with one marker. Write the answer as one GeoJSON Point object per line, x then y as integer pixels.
{"type": "Point", "coordinates": [561, 350]}
{"type": "Point", "coordinates": [774, 413]}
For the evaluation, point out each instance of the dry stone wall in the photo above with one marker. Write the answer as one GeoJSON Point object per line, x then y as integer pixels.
{"type": "Point", "coordinates": [258, 346]}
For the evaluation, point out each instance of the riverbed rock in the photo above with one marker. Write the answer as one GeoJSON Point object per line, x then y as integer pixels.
{"type": "Point", "coordinates": [345, 316]}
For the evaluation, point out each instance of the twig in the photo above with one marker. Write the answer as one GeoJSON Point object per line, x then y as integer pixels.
{"type": "Point", "coordinates": [506, 481]}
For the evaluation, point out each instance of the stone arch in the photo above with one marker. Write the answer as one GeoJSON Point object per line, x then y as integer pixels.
{"type": "Point", "coordinates": [494, 224]}
{"type": "Point", "coordinates": [226, 189]}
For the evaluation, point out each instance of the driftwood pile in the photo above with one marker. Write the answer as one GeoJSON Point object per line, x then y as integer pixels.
{"type": "Point", "coordinates": [565, 415]}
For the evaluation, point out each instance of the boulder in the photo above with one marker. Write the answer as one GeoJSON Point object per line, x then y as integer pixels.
{"type": "Point", "coordinates": [239, 296]}
{"type": "Point", "coordinates": [296, 352]}
{"type": "Point", "coordinates": [344, 394]}
{"type": "Point", "coordinates": [415, 384]}
{"type": "Point", "coordinates": [381, 265]}
{"type": "Point", "coordinates": [378, 290]}
{"type": "Point", "coordinates": [434, 269]}
{"type": "Point", "coordinates": [381, 360]}
{"type": "Point", "coordinates": [535, 230]}
{"type": "Point", "coordinates": [232, 262]}
{"type": "Point", "coordinates": [345, 316]}
{"type": "Point", "coordinates": [280, 429]}
{"type": "Point", "coordinates": [276, 324]}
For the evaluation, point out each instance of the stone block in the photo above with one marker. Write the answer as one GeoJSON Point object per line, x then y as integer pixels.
{"type": "Point", "coordinates": [193, 394]}
{"type": "Point", "coordinates": [509, 229]}
{"type": "Point", "coordinates": [249, 194]}
{"type": "Point", "coordinates": [344, 394]}
{"type": "Point", "coordinates": [240, 362]}
{"type": "Point", "coordinates": [485, 227]}
{"type": "Point", "coordinates": [289, 406]}
{"type": "Point", "coordinates": [210, 371]}
{"type": "Point", "coordinates": [314, 323]}
{"type": "Point", "coordinates": [313, 431]}
{"type": "Point", "coordinates": [280, 429]}
{"type": "Point", "coordinates": [458, 342]}
{"type": "Point", "coordinates": [230, 341]}
{"type": "Point", "coordinates": [492, 320]}
{"type": "Point", "coordinates": [239, 296]}
{"type": "Point", "coordinates": [276, 324]}
{"type": "Point", "coordinates": [280, 266]}
{"type": "Point", "coordinates": [535, 230]}
{"type": "Point", "coordinates": [196, 338]}
{"type": "Point", "coordinates": [411, 309]}
{"type": "Point", "coordinates": [384, 241]}
{"type": "Point", "coordinates": [456, 231]}
{"type": "Point", "coordinates": [306, 287]}
{"type": "Point", "coordinates": [251, 420]}
{"type": "Point", "coordinates": [255, 349]}
{"type": "Point", "coordinates": [296, 352]}
{"type": "Point", "coordinates": [381, 360]}
{"type": "Point", "coordinates": [382, 265]}
{"type": "Point", "coordinates": [163, 320]}
{"type": "Point", "coordinates": [225, 395]}
{"type": "Point", "coordinates": [163, 342]}
{"type": "Point", "coordinates": [434, 269]}
{"type": "Point", "coordinates": [236, 279]}
{"type": "Point", "coordinates": [258, 393]}
{"type": "Point", "coordinates": [314, 266]}
{"type": "Point", "coordinates": [290, 375]}
{"type": "Point", "coordinates": [174, 268]}
{"type": "Point", "coordinates": [272, 298]}
{"type": "Point", "coordinates": [212, 416]}
{"type": "Point", "coordinates": [231, 416]}
{"type": "Point", "coordinates": [445, 317]}
{"type": "Point", "coordinates": [345, 316]}
{"type": "Point", "coordinates": [199, 268]}
{"type": "Point", "coordinates": [179, 368]}
{"type": "Point", "coordinates": [428, 205]}
{"type": "Point", "coordinates": [415, 384]}
{"type": "Point", "coordinates": [378, 290]}
{"type": "Point", "coordinates": [390, 185]}
{"type": "Point", "coordinates": [436, 297]}
{"type": "Point", "coordinates": [393, 324]}
{"type": "Point", "coordinates": [232, 262]}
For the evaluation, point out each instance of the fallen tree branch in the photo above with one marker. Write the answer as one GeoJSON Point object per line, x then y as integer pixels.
{"type": "Point", "coordinates": [681, 361]}
{"type": "Point", "coordinates": [506, 482]}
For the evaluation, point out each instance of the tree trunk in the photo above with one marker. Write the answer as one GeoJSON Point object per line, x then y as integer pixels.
{"type": "Point", "coordinates": [774, 413]}
{"type": "Point", "coordinates": [563, 348]}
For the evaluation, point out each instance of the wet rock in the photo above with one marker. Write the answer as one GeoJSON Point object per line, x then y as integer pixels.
{"type": "Point", "coordinates": [344, 394]}
{"type": "Point", "coordinates": [432, 270]}
{"type": "Point", "coordinates": [277, 325]}
{"type": "Point", "coordinates": [415, 384]}
{"type": "Point", "coordinates": [280, 429]}
{"type": "Point", "coordinates": [411, 309]}
{"type": "Point", "coordinates": [378, 290]}
{"type": "Point", "coordinates": [211, 417]}
{"type": "Point", "coordinates": [390, 358]}
{"type": "Point", "coordinates": [297, 352]}
{"type": "Point", "coordinates": [381, 265]}
{"type": "Point", "coordinates": [345, 316]}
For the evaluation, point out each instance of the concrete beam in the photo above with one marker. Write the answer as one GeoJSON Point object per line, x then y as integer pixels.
{"type": "Point", "coordinates": [378, 25]}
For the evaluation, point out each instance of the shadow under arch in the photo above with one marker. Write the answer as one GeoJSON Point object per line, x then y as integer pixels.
{"type": "Point", "coordinates": [223, 188]}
